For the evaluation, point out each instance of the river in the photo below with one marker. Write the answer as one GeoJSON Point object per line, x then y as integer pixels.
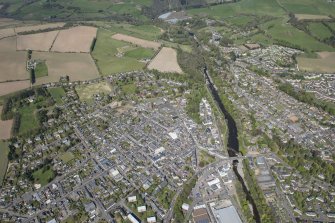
{"type": "Point", "coordinates": [232, 145]}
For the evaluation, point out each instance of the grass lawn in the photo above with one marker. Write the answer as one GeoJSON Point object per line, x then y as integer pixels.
{"type": "Point", "coordinates": [57, 93]}
{"type": "Point", "coordinates": [319, 30]}
{"type": "Point", "coordinates": [105, 52]}
{"type": "Point", "coordinates": [41, 70]}
{"type": "Point", "coordinates": [67, 157]}
{"type": "Point", "coordinates": [3, 159]}
{"type": "Point", "coordinates": [28, 119]}
{"type": "Point", "coordinates": [44, 175]}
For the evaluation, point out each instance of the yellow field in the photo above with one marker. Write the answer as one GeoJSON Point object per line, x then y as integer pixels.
{"type": "Point", "coordinates": [38, 41]}
{"type": "Point", "coordinates": [166, 61]}
{"type": "Point", "coordinates": [75, 40]}
{"type": "Point", "coordinates": [10, 87]}
{"type": "Point", "coordinates": [311, 17]}
{"type": "Point", "coordinates": [325, 63]}
{"type": "Point", "coordinates": [137, 41]}
{"type": "Point", "coordinates": [12, 63]}
{"type": "Point", "coordinates": [78, 66]}
{"type": "Point", "coordinates": [38, 27]}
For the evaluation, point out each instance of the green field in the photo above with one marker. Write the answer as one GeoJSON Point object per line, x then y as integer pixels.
{"type": "Point", "coordinates": [140, 53]}
{"type": "Point", "coordinates": [252, 7]}
{"type": "Point", "coordinates": [43, 175]}
{"type": "Point", "coordinates": [316, 7]}
{"type": "Point", "coordinates": [3, 159]}
{"type": "Point", "coordinates": [28, 119]}
{"type": "Point", "coordinates": [105, 55]}
{"type": "Point", "coordinates": [57, 94]}
{"type": "Point", "coordinates": [41, 69]}
{"type": "Point", "coordinates": [319, 30]}
{"type": "Point", "coordinates": [74, 9]}
{"type": "Point", "coordinates": [331, 25]}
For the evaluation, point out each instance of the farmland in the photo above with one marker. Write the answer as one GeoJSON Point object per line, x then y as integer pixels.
{"type": "Point", "coordinates": [165, 61]}
{"type": "Point", "coordinates": [319, 30]}
{"type": "Point", "coordinates": [12, 63]}
{"type": "Point", "coordinates": [77, 39]}
{"type": "Point", "coordinates": [3, 159]}
{"type": "Point", "coordinates": [311, 17]}
{"type": "Point", "coordinates": [87, 92]}
{"type": "Point", "coordinates": [38, 41]}
{"type": "Point", "coordinates": [324, 63]}
{"type": "Point", "coordinates": [137, 41]}
{"type": "Point", "coordinates": [78, 66]}
{"type": "Point", "coordinates": [5, 128]}
{"type": "Point", "coordinates": [7, 32]}
{"type": "Point", "coordinates": [10, 87]}
{"type": "Point", "coordinates": [108, 57]}
{"type": "Point", "coordinates": [75, 9]}
{"type": "Point", "coordinates": [22, 29]}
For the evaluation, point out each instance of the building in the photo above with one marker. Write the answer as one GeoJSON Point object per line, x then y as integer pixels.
{"type": "Point", "coordinates": [141, 209]}
{"type": "Point", "coordinates": [132, 199]}
{"type": "Point", "coordinates": [226, 215]}
{"type": "Point", "coordinates": [200, 214]}
{"type": "Point", "coordinates": [133, 219]}
{"type": "Point", "coordinates": [151, 219]}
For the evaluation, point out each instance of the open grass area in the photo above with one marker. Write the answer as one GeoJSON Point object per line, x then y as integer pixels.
{"type": "Point", "coordinates": [3, 159]}
{"type": "Point", "coordinates": [323, 62]}
{"type": "Point", "coordinates": [75, 9]}
{"type": "Point", "coordinates": [87, 92]}
{"type": "Point", "coordinates": [319, 30]}
{"type": "Point", "coordinates": [57, 94]}
{"type": "Point", "coordinates": [41, 69]}
{"type": "Point", "coordinates": [279, 30]}
{"type": "Point", "coordinates": [147, 32]}
{"type": "Point", "coordinates": [28, 119]}
{"type": "Point", "coordinates": [140, 53]}
{"type": "Point", "coordinates": [314, 7]}
{"type": "Point", "coordinates": [108, 58]}
{"type": "Point", "coordinates": [67, 157]}
{"type": "Point", "coordinates": [43, 175]}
